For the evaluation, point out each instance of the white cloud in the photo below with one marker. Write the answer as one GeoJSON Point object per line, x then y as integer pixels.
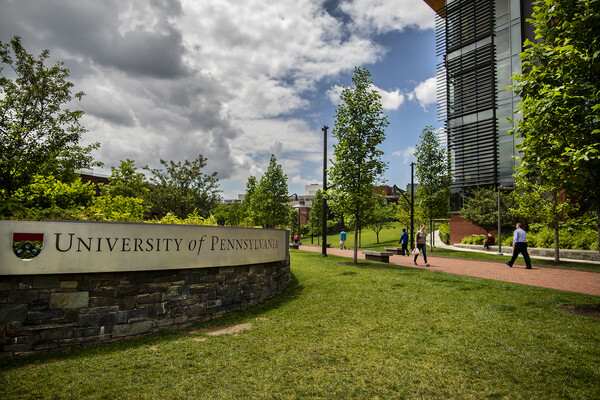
{"type": "Point", "coordinates": [425, 93]}
{"type": "Point", "coordinates": [173, 79]}
{"type": "Point", "coordinates": [334, 94]}
{"type": "Point", "coordinates": [406, 155]}
{"type": "Point", "coordinates": [390, 100]}
{"type": "Point", "coordinates": [268, 54]}
{"type": "Point", "coordinates": [384, 16]}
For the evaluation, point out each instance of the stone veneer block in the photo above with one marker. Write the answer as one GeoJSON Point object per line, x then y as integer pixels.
{"type": "Point", "coordinates": [45, 281]}
{"type": "Point", "coordinates": [13, 312]}
{"type": "Point", "coordinates": [69, 300]}
{"type": "Point", "coordinates": [132, 329]}
{"type": "Point", "coordinates": [68, 285]}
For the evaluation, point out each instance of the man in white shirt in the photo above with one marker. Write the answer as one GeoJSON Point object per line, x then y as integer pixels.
{"type": "Point", "coordinates": [520, 246]}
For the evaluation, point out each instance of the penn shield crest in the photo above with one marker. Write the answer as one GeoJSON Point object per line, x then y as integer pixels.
{"type": "Point", "coordinates": [27, 245]}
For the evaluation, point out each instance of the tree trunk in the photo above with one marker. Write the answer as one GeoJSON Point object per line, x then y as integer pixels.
{"type": "Point", "coordinates": [598, 219]}
{"type": "Point", "coordinates": [556, 244]}
{"type": "Point", "coordinates": [355, 257]}
{"type": "Point", "coordinates": [431, 234]}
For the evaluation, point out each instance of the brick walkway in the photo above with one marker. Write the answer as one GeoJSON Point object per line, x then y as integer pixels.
{"type": "Point", "coordinates": [552, 278]}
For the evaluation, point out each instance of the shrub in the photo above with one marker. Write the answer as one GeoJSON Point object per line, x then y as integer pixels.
{"type": "Point", "coordinates": [474, 239]}
{"type": "Point", "coordinates": [49, 198]}
{"type": "Point", "coordinates": [117, 209]}
{"type": "Point", "coordinates": [192, 219]}
{"type": "Point", "coordinates": [445, 232]}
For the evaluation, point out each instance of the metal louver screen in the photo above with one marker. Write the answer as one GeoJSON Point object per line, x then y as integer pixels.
{"type": "Point", "coordinates": [466, 80]}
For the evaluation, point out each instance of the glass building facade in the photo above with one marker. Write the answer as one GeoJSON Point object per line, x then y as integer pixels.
{"type": "Point", "coordinates": [478, 48]}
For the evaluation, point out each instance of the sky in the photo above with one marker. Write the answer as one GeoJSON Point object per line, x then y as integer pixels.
{"type": "Point", "coordinates": [235, 81]}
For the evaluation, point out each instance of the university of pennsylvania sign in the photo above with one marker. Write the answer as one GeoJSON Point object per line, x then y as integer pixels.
{"type": "Point", "coordinates": [74, 247]}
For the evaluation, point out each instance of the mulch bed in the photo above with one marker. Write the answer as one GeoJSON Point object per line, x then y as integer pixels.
{"type": "Point", "coordinates": [585, 310]}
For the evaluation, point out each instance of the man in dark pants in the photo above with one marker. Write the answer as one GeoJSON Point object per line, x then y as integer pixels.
{"type": "Point", "coordinates": [520, 246]}
{"type": "Point", "coordinates": [404, 241]}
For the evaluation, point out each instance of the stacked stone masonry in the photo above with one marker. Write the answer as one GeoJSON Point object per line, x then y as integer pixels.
{"type": "Point", "coordinates": [45, 312]}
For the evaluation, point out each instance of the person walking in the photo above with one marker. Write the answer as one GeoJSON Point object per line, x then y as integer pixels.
{"type": "Point", "coordinates": [342, 239]}
{"type": "Point", "coordinates": [404, 241]}
{"type": "Point", "coordinates": [421, 245]}
{"type": "Point", "coordinates": [520, 246]}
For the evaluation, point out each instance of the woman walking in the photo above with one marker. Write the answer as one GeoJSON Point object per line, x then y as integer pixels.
{"type": "Point", "coordinates": [421, 245]}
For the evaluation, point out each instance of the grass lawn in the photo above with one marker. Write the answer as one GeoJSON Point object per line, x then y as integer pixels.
{"type": "Point", "coordinates": [389, 238]}
{"type": "Point", "coordinates": [347, 332]}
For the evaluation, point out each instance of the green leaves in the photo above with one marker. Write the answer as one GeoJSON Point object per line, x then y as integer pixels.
{"type": "Point", "coordinates": [481, 208]}
{"type": "Point", "coordinates": [433, 174]}
{"type": "Point", "coordinates": [38, 134]}
{"type": "Point", "coordinates": [559, 89]}
{"type": "Point", "coordinates": [184, 188]}
{"type": "Point", "coordinates": [267, 200]}
{"type": "Point", "coordinates": [357, 165]}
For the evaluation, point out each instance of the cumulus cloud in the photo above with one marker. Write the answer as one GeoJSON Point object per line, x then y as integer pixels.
{"type": "Point", "coordinates": [389, 15]}
{"type": "Point", "coordinates": [406, 155]}
{"type": "Point", "coordinates": [334, 94]}
{"type": "Point", "coordinates": [390, 100]}
{"type": "Point", "coordinates": [172, 79]}
{"type": "Point", "coordinates": [425, 93]}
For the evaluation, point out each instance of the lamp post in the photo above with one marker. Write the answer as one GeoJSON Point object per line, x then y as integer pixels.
{"type": "Point", "coordinates": [324, 244]}
{"type": "Point", "coordinates": [412, 205]}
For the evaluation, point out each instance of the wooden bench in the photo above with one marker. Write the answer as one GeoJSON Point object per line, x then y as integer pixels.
{"type": "Point", "coordinates": [295, 245]}
{"type": "Point", "coordinates": [394, 250]}
{"type": "Point", "coordinates": [381, 256]}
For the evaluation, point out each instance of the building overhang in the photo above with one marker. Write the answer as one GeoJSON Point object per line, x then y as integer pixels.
{"type": "Point", "coordinates": [436, 5]}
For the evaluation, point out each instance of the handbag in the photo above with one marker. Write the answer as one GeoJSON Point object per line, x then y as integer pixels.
{"type": "Point", "coordinates": [415, 251]}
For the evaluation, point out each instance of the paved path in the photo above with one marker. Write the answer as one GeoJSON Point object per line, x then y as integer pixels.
{"type": "Point", "coordinates": [552, 278]}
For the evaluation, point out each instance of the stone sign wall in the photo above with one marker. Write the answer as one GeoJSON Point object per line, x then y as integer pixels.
{"type": "Point", "coordinates": [65, 284]}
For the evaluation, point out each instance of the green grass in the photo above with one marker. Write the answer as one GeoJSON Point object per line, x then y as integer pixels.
{"type": "Point", "coordinates": [387, 237]}
{"type": "Point", "coordinates": [347, 332]}
{"type": "Point", "coordinates": [390, 237]}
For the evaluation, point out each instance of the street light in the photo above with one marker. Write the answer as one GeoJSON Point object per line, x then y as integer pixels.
{"type": "Point", "coordinates": [324, 244]}
{"type": "Point", "coordinates": [412, 205]}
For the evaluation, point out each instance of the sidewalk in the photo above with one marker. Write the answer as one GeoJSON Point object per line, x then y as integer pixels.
{"type": "Point", "coordinates": [506, 250]}
{"type": "Point", "coordinates": [551, 278]}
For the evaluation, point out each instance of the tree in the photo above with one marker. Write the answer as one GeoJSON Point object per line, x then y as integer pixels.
{"type": "Point", "coordinates": [544, 204]}
{"type": "Point", "coordinates": [357, 164]}
{"type": "Point", "coordinates": [403, 212]}
{"type": "Point", "coordinates": [183, 188]}
{"type": "Point", "coordinates": [481, 208]}
{"type": "Point", "coordinates": [559, 87]}
{"type": "Point", "coordinates": [249, 200]}
{"type": "Point", "coordinates": [382, 216]}
{"type": "Point", "coordinates": [269, 202]}
{"type": "Point", "coordinates": [315, 218]}
{"type": "Point", "coordinates": [38, 134]}
{"type": "Point", "coordinates": [235, 214]}
{"type": "Point", "coordinates": [294, 220]}
{"type": "Point", "coordinates": [220, 213]}
{"type": "Point", "coordinates": [433, 174]}
{"type": "Point", "coordinates": [126, 181]}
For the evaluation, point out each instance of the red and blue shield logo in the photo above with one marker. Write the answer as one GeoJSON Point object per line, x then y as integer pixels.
{"type": "Point", "coordinates": [27, 245]}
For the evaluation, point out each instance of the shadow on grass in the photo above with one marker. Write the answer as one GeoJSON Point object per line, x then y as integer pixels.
{"type": "Point", "coordinates": [164, 335]}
